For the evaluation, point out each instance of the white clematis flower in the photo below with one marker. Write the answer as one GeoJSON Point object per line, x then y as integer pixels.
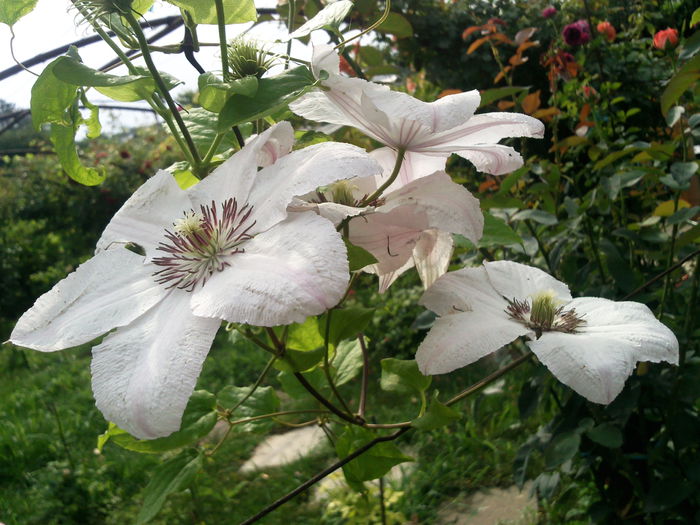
{"type": "Point", "coordinates": [590, 344]}
{"type": "Point", "coordinates": [224, 249]}
{"type": "Point", "coordinates": [427, 132]}
{"type": "Point", "coordinates": [408, 226]}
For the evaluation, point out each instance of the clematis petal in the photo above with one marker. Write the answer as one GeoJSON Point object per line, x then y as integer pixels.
{"type": "Point", "coordinates": [518, 281]}
{"type": "Point", "coordinates": [235, 177]}
{"type": "Point", "coordinates": [145, 215]}
{"type": "Point", "coordinates": [432, 256]}
{"type": "Point", "coordinates": [295, 269]}
{"type": "Point", "coordinates": [303, 171]}
{"type": "Point", "coordinates": [596, 361]}
{"type": "Point", "coordinates": [464, 290]}
{"type": "Point", "coordinates": [495, 159]}
{"type": "Point", "coordinates": [390, 236]}
{"type": "Point", "coordinates": [460, 339]}
{"type": "Point", "coordinates": [448, 206]}
{"type": "Point", "coordinates": [109, 290]}
{"type": "Point", "coordinates": [144, 373]}
{"type": "Point", "coordinates": [485, 128]}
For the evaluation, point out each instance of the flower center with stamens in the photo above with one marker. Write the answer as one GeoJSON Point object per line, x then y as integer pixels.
{"type": "Point", "coordinates": [543, 314]}
{"type": "Point", "coordinates": [202, 243]}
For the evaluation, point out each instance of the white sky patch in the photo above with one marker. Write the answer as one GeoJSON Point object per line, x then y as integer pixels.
{"type": "Point", "coordinates": [52, 24]}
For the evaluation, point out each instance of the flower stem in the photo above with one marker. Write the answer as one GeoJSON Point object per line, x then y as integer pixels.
{"type": "Point", "coordinates": [540, 245]}
{"type": "Point", "coordinates": [290, 28]}
{"type": "Point", "coordinates": [397, 168]}
{"type": "Point", "coordinates": [257, 383]}
{"type": "Point", "coordinates": [163, 90]}
{"type": "Point", "coordinates": [380, 21]}
{"type": "Point", "coordinates": [221, 23]}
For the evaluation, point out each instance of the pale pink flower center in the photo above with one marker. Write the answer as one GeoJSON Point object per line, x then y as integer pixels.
{"type": "Point", "coordinates": [202, 243]}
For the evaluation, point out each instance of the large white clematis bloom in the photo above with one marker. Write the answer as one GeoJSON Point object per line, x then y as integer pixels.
{"type": "Point", "coordinates": [427, 132]}
{"type": "Point", "coordinates": [590, 344]}
{"type": "Point", "coordinates": [224, 249]}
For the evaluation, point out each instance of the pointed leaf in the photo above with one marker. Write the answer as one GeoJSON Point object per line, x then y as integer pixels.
{"type": "Point", "coordinates": [358, 257]}
{"type": "Point", "coordinates": [51, 98]}
{"type": "Point", "coordinates": [213, 92]}
{"type": "Point", "coordinates": [13, 10]}
{"type": "Point", "coordinates": [397, 25]}
{"type": "Point", "coordinates": [403, 376]}
{"type": "Point", "coordinates": [437, 415]}
{"type": "Point", "coordinates": [346, 323]}
{"type": "Point", "coordinates": [63, 139]}
{"type": "Point", "coordinates": [174, 475]}
{"type": "Point", "coordinates": [347, 362]}
{"type": "Point", "coordinates": [374, 463]}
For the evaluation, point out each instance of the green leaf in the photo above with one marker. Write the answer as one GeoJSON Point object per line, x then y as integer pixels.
{"type": "Point", "coordinates": [358, 257]}
{"type": "Point", "coordinates": [330, 16]}
{"type": "Point", "coordinates": [273, 93]}
{"type": "Point", "coordinates": [683, 215]}
{"type": "Point", "coordinates": [129, 88]}
{"type": "Point", "coordinates": [403, 376]}
{"type": "Point", "coordinates": [489, 96]}
{"type": "Point", "coordinates": [197, 421]}
{"type": "Point", "coordinates": [63, 139]}
{"type": "Point", "coordinates": [437, 415]}
{"type": "Point", "coordinates": [202, 125]}
{"type": "Point", "coordinates": [681, 173]}
{"type": "Point", "coordinates": [346, 323]}
{"type": "Point", "coordinates": [540, 216]}
{"type": "Point", "coordinates": [51, 98]}
{"type": "Point", "coordinates": [690, 46]}
{"type": "Point", "coordinates": [13, 10]}
{"type": "Point", "coordinates": [497, 233]}
{"type": "Point", "coordinates": [606, 434]}
{"type": "Point", "coordinates": [695, 18]}
{"type": "Point", "coordinates": [562, 448]}
{"type": "Point", "coordinates": [182, 171]}
{"type": "Point", "coordinates": [305, 336]}
{"type": "Point", "coordinates": [213, 92]}
{"type": "Point", "coordinates": [94, 128]}
{"type": "Point", "coordinates": [374, 463]}
{"type": "Point", "coordinates": [204, 12]}
{"type": "Point", "coordinates": [679, 83]}
{"type": "Point", "coordinates": [263, 401]}
{"type": "Point", "coordinates": [300, 361]}
{"type": "Point", "coordinates": [347, 362]}
{"type": "Point", "coordinates": [294, 389]}
{"type": "Point", "coordinates": [174, 475]}
{"type": "Point", "coordinates": [397, 25]}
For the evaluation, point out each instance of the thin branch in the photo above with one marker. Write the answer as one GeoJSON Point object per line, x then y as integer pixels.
{"type": "Point", "coordinates": [318, 477]}
{"type": "Point", "coordinates": [661, 275]}
{"type": "Point", "coordinates": [365, 377]}
{"type": "Point", "coordinates": [330, 406]}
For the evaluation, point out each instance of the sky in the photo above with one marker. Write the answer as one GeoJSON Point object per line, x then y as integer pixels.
{"type": "Point", "coordinates": [52, 24]}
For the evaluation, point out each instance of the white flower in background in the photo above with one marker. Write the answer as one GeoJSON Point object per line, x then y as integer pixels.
{"type": "Point", "coordinates": [428, 132]}
{"type": "Point", "coordinates": [408, 226]}
{"type": "Point", "coordinates": [225, 248]}
{"type": "Point", "coordinates": [590, 344]}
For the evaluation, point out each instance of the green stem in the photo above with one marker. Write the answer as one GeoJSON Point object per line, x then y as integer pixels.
{"type": "Point", "coordinates": [669, 261]}
{"type": "Point", "coordinates": [385, 15]}
{"type": "Point", "coordinates": [326, 364]}
{"type": "Point", "coordinates": [163, 91]}
{"type": "Point", "coordinates": [690, 311]}
{"type": "Point", "coordinates": [397, 167]}
{"type": "Point", "coordinates": [330, 406]}
{"type": "Point", "coordinates": [212, 150]}
{"type": "Point", "coordinates": [290, 28]}
{"type": "Point", "coordinates": [220, 21]}
{"type": "Point", "coordinates": [255, 386]}
{"type": "Point", "coordinates": [540, 245]}
{"type": "Point", "coordinates": [278, 414]}
{"type": "Point", "coordinates": [365, 376]}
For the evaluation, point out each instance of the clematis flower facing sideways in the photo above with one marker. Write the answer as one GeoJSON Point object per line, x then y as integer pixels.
{"type": "Point", "coordinates": [225, 249]}
{"type": "Point", "coordinates": [590, 344]}
{"type": "Point", "coordinates": [408, 226]}
{"type": "Point", "coordinates": [427, 132]}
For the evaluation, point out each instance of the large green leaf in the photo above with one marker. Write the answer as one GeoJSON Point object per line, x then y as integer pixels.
{"type": "Point", "coordinates": [330, 16]}
{"type": "Point", "coordinates": [403, 376]}
{"type": "Point", "coordinates": [174, 475]}
{"type": "Point", "coordinates": [347, 362]}
{"type": "Point", "coordinates": [127, 88]}
{"type": "Point", "coordinates": [13, 10]}
{"type": "Point", "coordinates": [346, 323]}
{"type": "Point", "coordinates": [197, 421]}
{"type": "Point", "coordinates": [204, 11]}
{"type": "Point", "coordinates": [497, 233]}
{"type": "Point", "coordinates": [213, 92]}
{"type": "Point", "coordinates": [63, 139]}
{"type": "Point", "coordinates": [273, 93]}
{"type": "Point", "coordinates": [304, 336]}
{"type": "Point", "coordinates": [374, 463]}
{"type": "Point", "coordinates": [397, 25]}
{"type": "Point", "coordinates": [202, 125]}
{"type": "Point", "coordinates": [51, 98]}
{"type": "Point", "coordinates": [679, 83]}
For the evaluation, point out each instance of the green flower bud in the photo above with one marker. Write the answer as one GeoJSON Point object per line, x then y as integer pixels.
{"type": "Point", "coordinates": [246, 58]}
